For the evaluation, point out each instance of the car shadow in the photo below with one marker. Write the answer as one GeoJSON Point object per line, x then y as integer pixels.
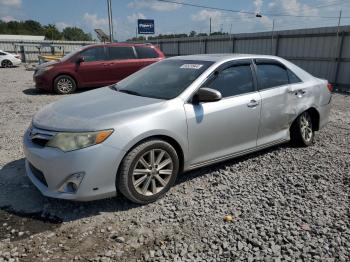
{"type": "Point", "coordinates": [35, 91]}
{"type": "Point", "coordinates": [21, 201]}
{"type": "Point", "coordinates": [22, 204]}
{"type": "Point", "coordinates": [230, 162]}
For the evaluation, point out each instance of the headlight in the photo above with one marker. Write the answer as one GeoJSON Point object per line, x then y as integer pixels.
{"type": "Point", "coordinates": [43, 70]}
{"type": "Point", "coordinates": [73, 141]}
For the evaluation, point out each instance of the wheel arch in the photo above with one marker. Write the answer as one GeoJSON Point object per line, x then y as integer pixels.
{"type": "Point", "coordinates": [315, 118]}
{"type": "Point", "coordinates": [65, 74]}
{"type": "Point", "coordinates": [173, 142]}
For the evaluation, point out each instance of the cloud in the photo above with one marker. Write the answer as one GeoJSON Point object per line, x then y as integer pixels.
{"type": "Point", "coordinates": [154, 5]}
{"type": "Point", "coordinates": [8, 18]}
{"type": "Point", "coordinates": [92, 21]}
{"type": "Point", "coordinates": [258, 4]}
{"type": "Point", "coordinates": [205, 15]}
{"type": "Point", "coordinates": [11, 3]}
{"type": "Point", "coordinates": [62, 25]}
{"type": "Point", "coordinates": [133, 18]}
{"type": "Point", "coordinates": [292, 7]}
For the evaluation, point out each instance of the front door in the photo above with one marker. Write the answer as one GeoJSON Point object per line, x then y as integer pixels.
{"type": "Point", "coordinates": [229, 126]}
{"type": "Point", "coordinates": [93, 71]}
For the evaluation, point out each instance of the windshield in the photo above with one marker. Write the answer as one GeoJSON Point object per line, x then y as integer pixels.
{"type": "Point", "coordinates": [71, 54]}
{"type": "Point", "coordinates": [163, 80]}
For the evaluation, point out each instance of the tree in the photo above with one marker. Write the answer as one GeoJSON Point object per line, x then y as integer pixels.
{"type": "Point", "coordinates": [75, 34]}
{"type": "Point", "coordinates": [51, 32]}
{"type": "Point", "coordinates": [192, 34]}
{"type": "Point", "coordinates": [33, 27]}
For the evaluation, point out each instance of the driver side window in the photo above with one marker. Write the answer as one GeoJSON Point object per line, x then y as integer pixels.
{"type": "Point", "coordinates": [234, 80]}
{"type": "Point", "coordinates": [93, 54]}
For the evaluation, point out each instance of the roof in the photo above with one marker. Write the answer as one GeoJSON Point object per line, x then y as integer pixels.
{"type": "Point", "coordinates": [121, 44]}
{"type": "Point", "coordinates": [219, 57]}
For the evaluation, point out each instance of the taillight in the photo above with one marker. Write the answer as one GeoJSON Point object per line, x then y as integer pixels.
{"type": "Point", "coordinates": [330, 87]}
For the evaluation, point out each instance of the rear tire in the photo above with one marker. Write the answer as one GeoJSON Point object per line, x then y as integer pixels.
{"type": "Point", "coordinates": [6, 63]}
{"type": "Point", "coordinates": [302, 132]}
{"type": "Point", "coordinates": [64, 84]}
{"type": "Point", "coordinates": [148, 171]}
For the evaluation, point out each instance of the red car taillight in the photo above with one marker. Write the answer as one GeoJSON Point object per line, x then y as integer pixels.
{"type": "Point", "coordinates": [330, 87]}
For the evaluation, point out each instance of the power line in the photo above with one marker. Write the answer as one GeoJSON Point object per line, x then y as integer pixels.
{"type": "Point", "coordinates": [244, 12]}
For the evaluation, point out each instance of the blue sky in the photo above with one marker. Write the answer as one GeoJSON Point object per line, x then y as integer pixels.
{"type": "Point", "coordinates": [170, 18]}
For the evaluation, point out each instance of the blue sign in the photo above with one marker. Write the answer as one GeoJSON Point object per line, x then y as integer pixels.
{"type": "Point", "coordinates": [145, 26]}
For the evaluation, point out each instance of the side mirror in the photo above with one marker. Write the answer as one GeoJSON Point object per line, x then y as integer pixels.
{"type": "Point", "coordinates": [80, 59]}
{"type": "Point", "coordinates": [206, 94]}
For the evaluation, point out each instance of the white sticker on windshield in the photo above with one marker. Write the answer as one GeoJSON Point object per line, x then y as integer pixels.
{"type": "Point", "coordinates": [191, 66]}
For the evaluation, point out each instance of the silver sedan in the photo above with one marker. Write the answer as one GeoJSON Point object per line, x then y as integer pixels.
{"type": "Point", "coordinates": [179, 114]}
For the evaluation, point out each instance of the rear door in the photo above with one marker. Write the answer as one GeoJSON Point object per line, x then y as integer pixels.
{"type": "Point", "coordinates": [92, 72]}
{"type": "Point", "coordinates": [122, 62]}
{"type": "Point", "coordinates": [147, 55]}
{"type": "Point", "coordinates": [273, 85]}
{"type": "Point", "coordinates": [220, 129]}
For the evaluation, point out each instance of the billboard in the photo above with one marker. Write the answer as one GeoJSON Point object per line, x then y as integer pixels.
{"type": "Point", "coordinates": [145, 26]}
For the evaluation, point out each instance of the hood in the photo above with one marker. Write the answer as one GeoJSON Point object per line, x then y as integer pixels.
{"type": "Point", "coordinates": [99, 109]}
{"type": "Point", "coordinates": [47, 64]}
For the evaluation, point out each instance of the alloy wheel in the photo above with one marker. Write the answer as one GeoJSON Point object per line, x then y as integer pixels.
{"type": "Point", "coordinates": [64, 85]}
{"type": "Point", "coordinates": [6, 64]}
{"type": "Point", "coordinates": [152, 172]}
{"type": "Point", "coordinates": [306, 127]}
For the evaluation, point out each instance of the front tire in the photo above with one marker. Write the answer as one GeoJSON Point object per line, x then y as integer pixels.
{"type": "Point", "coordinates": [6, 63]}
{"type": "Point", "coordinates": [64, 84]}
{"type": "Point", "coordinates": [302, 132]}
{"type": "Point", "coordinates": [148, 171]}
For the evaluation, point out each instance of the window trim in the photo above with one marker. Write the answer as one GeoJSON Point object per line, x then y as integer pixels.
{"type": "Point", "coordinates": [230, 64]}
{"type": "Point", "coordinates": [137, 54]}
{"type": "Point", "coordinates": [104, 52]}
{"type": "Point", "coordinates": [300, 80]}
{"type": "Point", "coordinates": [268, 61]}
{"type": "Point", "coordinates": [220, 67]}
{"type": "Point", "coordinates": [133, 50]}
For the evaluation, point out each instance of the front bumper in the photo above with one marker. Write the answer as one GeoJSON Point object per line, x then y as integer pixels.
{"type": "Point", "coordinates": [48, 168]}
{"type": "Point", "coordinates": [42, 82]}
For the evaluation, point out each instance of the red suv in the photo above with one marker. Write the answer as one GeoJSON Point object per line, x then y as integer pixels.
{"type": "Point", "coordinates": [95, 66]}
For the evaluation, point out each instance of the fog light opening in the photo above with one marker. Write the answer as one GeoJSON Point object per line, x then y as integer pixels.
{"type": "Point", "coordinates": [71, 185]}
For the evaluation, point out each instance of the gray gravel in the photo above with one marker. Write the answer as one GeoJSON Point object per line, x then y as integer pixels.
{"type": "Point", "coordinates": [287, 204]}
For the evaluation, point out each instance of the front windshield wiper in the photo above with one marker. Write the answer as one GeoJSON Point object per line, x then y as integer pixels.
{"type": "Point", "coordinates": [130, 92]}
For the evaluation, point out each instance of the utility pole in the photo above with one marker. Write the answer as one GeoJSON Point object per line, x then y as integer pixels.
{"type": "Point", "coordinates": [110, 20]}
{"type": "Point", "coordinates": [272, 34]}
{"type": "Point", "coordinates": [339, 20]}
{"type": "Point", "coordinates": [209, 26]}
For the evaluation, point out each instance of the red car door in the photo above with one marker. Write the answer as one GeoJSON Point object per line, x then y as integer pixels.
{"type": "Point", "coordinates": [148, 54]}
{"type": "Point", "coordinates": [93, 70]}
{"type": "Point", "coordinates": [122, 62]}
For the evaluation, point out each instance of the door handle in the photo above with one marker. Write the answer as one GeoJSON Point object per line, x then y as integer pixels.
{"type": "Point", "coordinates": [253, 103]}
{"type": "Point", "coordinates": [297, 92]}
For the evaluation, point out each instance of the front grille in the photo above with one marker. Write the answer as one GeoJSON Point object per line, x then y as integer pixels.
{"type": "Point", "coordinates": [38, 174]}
{"type": "Point", "coordinates": [40, 137]}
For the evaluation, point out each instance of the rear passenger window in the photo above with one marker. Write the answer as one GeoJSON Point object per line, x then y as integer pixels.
{"type": "Point", "coordinates": [293, 79]}
{"type": "Point", "coordinates": [120, 53]}
{"type": "Point", "coordinates": [2, 53]}
{"type": "Point", "coordinates": [233, 81]}
{"type": "Point", "coordinates": [271, 75]}
{"type": "Point", "coordinates": [146, 52]}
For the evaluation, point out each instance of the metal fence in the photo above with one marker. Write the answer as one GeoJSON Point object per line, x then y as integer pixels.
{"type": "Point", "coordinates": [324, 52]}
{"type": "Point", "coordinates": [30, 50]}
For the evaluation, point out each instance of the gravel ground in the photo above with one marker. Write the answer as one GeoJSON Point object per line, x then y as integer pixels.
{"type": "Point", "coordinates": [281, 204]}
